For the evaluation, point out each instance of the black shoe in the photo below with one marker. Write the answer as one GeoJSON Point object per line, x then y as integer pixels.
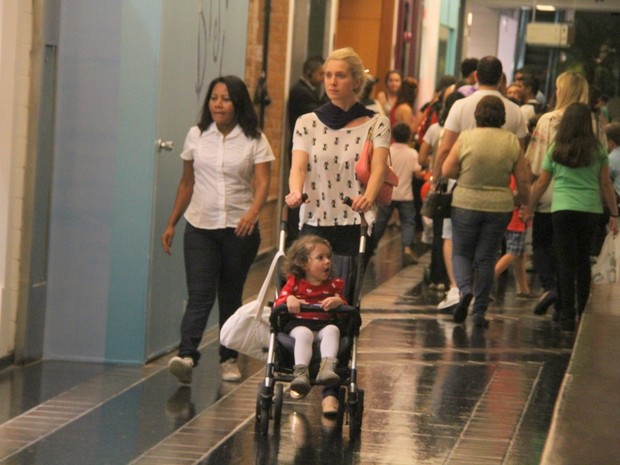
{"type": "Point", "coordinates": [545, 301]}
{"type": "Point", "coordinates": [460, 312]}
{"type": "Point", "coordinates": [480, 321]}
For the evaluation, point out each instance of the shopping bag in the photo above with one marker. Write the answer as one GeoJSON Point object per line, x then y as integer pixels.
{"type": "Point", "coordinates": [605, 270]}
{"type": "Point", "coordinates": [246, 333]}
{"type": "Point", "coordinates": [247, 330]}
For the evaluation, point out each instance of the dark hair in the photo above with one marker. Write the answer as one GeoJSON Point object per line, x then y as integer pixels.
{"type": "Point", "coordinates": [401, 132]}
{"type": "Point", "coordinates": [450, 99]}
{"type": "Point", "coordinates": [489, 71]}
{"type": "Point", "coordinates": [408, 91]}
{"type": "Point", "coordinates": [299, 252]}
{"type": "Point", "coordinates": [468, 66]}
{"type": "Point", "coordinates": [390, 72]}
{"type": "Point", "coordinates": [575, 142]}
{"type": "Point", "coordinates": [613, 132]}
{"type": "Point", "coordinates": [242, 103]}
{"type": "Point", "coordinates": [490, 112]}
{"type": "Point", "coordinates": [311, 65]}
{"type": "Point", "coordinates": [445, 82]}
{"type": "Point", "coordinates": [531, 82]}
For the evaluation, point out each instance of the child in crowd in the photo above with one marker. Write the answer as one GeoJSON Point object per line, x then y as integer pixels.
{"type": "Point", "coordinates": [515, 246]}
{"type": "Point", "coordinates": [308, 266]}
{"type": "Point", "coordinates": [405, 164]}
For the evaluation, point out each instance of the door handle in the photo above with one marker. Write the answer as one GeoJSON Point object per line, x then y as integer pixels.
{"type": "Point", "coordinates": [167, 145]}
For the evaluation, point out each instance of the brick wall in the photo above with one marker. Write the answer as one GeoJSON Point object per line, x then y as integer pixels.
{"type": "Point", "coordinates": [274, 113]}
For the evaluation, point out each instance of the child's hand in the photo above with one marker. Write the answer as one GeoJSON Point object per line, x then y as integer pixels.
{"type": "Point", "coordinates": [293, 304]}
{"type": "Point", "coordinates": [329, 303]}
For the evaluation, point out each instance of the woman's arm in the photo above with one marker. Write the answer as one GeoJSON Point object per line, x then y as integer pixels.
{"type": "Point", "coordinates": [607, 189]}
{"type": "Point", "coordinates": [423, 155]}
{"type": "Point", "coordinates": [522, 174]}
{"type": "Point", "coordinates": [262, 178]}
{"type": "Point", "coordinates": [184, 195]}
{"type": "Point", "coordinates": [297, 178]}
{"type": "Point", "coordinates": [451, 166]}
{"type": "Point", "coordinates": [538, 189]}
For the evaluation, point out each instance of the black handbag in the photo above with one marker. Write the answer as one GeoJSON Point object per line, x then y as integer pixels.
{"type": "Point", "coordinates": [438, 203]}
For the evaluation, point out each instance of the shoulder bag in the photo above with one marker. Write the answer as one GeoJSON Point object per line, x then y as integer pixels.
{"type": "Point", "coordinates": [362, 170]}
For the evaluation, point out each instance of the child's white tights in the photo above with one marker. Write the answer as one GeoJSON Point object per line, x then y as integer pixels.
{"type": "Point", "coordinates": [329, 337]}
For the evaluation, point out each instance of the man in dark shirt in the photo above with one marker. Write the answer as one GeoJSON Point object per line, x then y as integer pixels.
{"type": "Point", "coordinates": [304, 97]}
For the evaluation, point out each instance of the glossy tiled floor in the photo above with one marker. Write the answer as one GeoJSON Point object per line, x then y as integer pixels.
{"type": "Point", "coordinates": [435, 393]}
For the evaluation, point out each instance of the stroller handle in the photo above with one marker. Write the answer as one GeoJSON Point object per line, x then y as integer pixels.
{"type": "Point", "coordinates": [305, 308]}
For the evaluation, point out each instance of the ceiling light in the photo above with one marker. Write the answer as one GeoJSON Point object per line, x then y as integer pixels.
{"type": "Point", "coordinates": [545, 7]}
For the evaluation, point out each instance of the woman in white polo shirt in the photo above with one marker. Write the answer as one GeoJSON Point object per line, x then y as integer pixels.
{"type": "Point", "coordinates": [224, 186]}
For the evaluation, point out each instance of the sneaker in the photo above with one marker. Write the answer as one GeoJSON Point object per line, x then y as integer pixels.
{"type": "Point", "coordinates": [327, 372]}
{"type": "Point", "coordinates": [460, 312]}
{"type": "Point", "coordinates": [450, 300]}
{"type": "Point", "coordinates": [230, 370]}
{"type": "Point", "coordinates": [182, 367]}
{"type": "Point", "coordinates": [301, 382]}
{"type": "Point", "coordinates": [329, 405]}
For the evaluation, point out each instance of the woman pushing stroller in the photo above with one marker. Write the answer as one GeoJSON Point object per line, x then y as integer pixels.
{"type": "Point", "coordinates": [308, 266]}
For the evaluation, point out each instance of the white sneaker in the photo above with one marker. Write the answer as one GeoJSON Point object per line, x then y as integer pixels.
{"type": "Point", "coordinates": [181, 367]}
{"type": "Point", "coordinates": [230, 371]}
{"type": "Point", "coordinates": [451, 299]}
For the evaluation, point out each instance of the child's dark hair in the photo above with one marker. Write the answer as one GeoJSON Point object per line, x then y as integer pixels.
{"type": "Point", "coordinates": [401, 132]}
{"type": "Point", "coordinates": [299, 252]}
{"type": "Point", "coordinates": [575, 142]}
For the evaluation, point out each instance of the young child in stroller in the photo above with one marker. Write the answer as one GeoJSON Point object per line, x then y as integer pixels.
{"type": "Point", "coordinates": [308, 266]}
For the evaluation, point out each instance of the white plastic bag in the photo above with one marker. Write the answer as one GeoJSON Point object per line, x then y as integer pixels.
{"type": "Point", "coordinates": [605, 270]}
{"type": "Point", "coordinates": [245, 333]}
{"type": "Point", "coordinates": [247, 330]}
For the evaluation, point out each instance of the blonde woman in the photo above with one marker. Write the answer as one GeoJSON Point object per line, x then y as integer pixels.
{"type": "Point", "coordinates": [571, 88]}
{"type": "Point", "coordinates": [326, 145]}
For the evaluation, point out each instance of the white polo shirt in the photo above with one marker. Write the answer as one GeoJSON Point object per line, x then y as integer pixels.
{"type": "Point", "coordinates": [462, 117]}
{"type": "Point", "coordinates": [223, 173]}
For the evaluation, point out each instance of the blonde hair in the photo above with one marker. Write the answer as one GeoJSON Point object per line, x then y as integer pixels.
{"type": "Point", "coordinates": [571, 87]}
{"type": "Point", "coordinates": [358, 72]}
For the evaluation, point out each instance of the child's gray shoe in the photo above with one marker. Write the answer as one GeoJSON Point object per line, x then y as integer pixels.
{"type": "Point", "coordinates": [327, 372]}
{"type": "Point", "coordinates": [301, 383]}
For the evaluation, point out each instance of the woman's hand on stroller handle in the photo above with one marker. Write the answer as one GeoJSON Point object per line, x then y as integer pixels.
{"type": "Point", "coordinates": [294, 199]}
{"type": "Point", "coordinates": [359, 204]}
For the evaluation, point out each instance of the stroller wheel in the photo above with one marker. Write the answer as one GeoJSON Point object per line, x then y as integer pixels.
{"type": "Point", "coordinates": [278, 400]}
{"type": "Point", "coordinates": [356, 411]}
{"type": "Point", "coordinates": [263, 407]}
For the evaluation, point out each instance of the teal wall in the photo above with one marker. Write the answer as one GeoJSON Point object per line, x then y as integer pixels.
{"type": "Point", "coordinates": [133, 181]}
{"type": "Point", "coordinates": [102, 204]}
{"type": "Point", "coordinates": [449, 17]}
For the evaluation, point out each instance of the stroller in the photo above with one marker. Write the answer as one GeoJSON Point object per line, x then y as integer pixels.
{"type": "Point", "coordinates": [280, 361]}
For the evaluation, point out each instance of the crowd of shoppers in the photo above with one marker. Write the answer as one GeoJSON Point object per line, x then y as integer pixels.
{"type": "Point", "coordinates": [474, 131]}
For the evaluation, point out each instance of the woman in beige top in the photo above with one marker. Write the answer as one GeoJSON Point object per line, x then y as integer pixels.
{"type": "Point", "coordinates": [482, 161]}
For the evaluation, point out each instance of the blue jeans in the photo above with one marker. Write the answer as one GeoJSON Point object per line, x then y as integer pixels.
{"type": "Point", "coordinates": [406, 213]}
{"type": "Point", "coordinates": [476, 239]}
{"type": "Point", "coordinates": [216, 265]}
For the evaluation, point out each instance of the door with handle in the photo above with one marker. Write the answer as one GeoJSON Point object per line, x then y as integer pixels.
{"type": "Point", "coordinates": [187, 65]}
